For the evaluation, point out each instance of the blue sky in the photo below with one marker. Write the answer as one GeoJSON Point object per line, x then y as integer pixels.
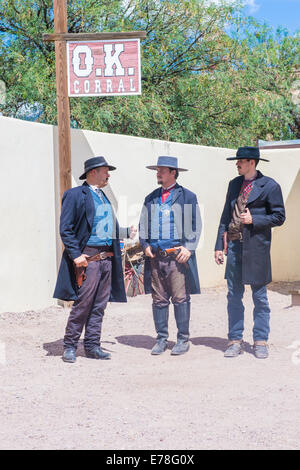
{"type": "Point", "coordinates": [284, 13]}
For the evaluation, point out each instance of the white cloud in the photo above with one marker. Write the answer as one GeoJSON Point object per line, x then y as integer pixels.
{"type": "Point", "coordinates": [252, 5]}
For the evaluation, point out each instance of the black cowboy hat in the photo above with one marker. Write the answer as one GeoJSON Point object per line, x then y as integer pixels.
{"type": "Point", "coordinates": [95, 162]}
{"type": "Point", "coordinates": [249, 153]}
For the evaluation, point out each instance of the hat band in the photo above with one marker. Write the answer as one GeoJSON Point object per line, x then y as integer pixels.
{"type": "Point", "coordinates": [91, 167]}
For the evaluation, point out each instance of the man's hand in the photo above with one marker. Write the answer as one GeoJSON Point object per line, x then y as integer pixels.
{"type": "Point", "coordinates": [132, 232]}
{"type": "Point", "coordinates": [148, 252]}
{"type": "Point", "coordinates": [246, 217]}
{"type": "Point", "coordinates": [81, 261]}
{"type": "Point", "coordinates": [184, 255]}
{"type": "Point", "coordinates": [219, 258]}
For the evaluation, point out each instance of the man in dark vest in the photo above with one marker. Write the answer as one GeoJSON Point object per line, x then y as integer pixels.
{"type": "Point", "coordinates": [88, 228]}
{"type": "Point", "coordinates": [170, 227]}
{"type": "Point", "coordinates": [254, 205]}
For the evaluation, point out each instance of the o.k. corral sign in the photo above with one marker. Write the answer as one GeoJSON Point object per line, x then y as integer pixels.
{"type": "Point", "coordinates": [89, 64]}
{"type": "Point", "coordinates": [104, 67]}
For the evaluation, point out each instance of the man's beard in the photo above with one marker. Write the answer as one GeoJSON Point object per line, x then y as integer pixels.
{"type": "Point", "coordinates": [159, 181]}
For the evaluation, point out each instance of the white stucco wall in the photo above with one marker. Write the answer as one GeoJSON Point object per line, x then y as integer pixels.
{"type": "Point", "coordinates": [27, 236]}
{"type": "Point", "coordinates": [30, 202]}
{"type": "Point", "coordinates": [208, 176]}
{"type": "Point", "coordinates": [284, 167]}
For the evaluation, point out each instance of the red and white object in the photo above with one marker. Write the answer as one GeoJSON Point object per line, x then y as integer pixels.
{"type": "Point", "coordinates": [104, 68]}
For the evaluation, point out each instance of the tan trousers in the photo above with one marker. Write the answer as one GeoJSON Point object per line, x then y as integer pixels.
{"type": "Point", "coordinates": [168, 281]}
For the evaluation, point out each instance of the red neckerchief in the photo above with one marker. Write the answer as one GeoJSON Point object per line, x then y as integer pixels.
{"type": "Point", "coordinates": [166, 193]}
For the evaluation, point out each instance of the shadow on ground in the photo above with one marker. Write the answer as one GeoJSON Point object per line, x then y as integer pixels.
{"type": "Point", "coordinates": [140, 341]}
{"type": "Point", "coordinates": [147, 342]}
{"type": "Point", "coordinates": [56, 348]}
{"type": "Point", "coordinates": [283, 287]}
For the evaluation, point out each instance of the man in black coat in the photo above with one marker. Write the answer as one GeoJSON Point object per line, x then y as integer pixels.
{"type": "Point", "coordinates": [254, 205]}
{"type": "Point", "coordinates": [88, 228]}
{"type": "Point", "coordinates": [170, 219]}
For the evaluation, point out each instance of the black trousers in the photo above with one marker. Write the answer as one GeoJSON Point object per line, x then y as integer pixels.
{"type": "Point", "coordinates": [88, 309]}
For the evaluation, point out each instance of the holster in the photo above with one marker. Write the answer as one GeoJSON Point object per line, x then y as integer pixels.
{"type": "Point", "coordinates": [80, 271]}
{"type": "Point", "coordinates": [80, 275]}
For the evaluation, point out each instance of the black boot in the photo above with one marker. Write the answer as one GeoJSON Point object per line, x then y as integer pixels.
{"type": "Point", "coordinates": [97, 353]}
{"type": "Point", "coordinates": [69, 354]}
{"type": "Point", "coordinates": [182, 317]}
{"type": "Point", "coordinates": [161, 317]}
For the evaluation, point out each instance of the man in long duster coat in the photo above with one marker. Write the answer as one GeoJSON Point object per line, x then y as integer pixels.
{"type": "Point", "coordinates": [88, 228]}
{"type": "Point", "coordinates": [253, 206]}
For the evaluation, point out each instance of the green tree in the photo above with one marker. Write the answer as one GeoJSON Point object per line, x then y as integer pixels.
{"type": "Point", "coordinates": [209, 75]}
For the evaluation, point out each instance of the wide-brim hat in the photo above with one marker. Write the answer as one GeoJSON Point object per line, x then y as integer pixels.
{"type": "Point", "coordinates": [170, 162]}
{"type": "Point", "coordinates": [95, 162]}
{"type": "Point", "coordinates": [249, 153]}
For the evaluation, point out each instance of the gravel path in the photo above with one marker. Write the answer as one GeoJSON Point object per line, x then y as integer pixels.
{"type": "Point", "coordinates": [137, 401]}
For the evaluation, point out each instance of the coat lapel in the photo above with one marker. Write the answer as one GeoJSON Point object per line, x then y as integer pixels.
{"type": "Point", "coordinates": [257, 189]}
{"type": "Point", "coordinates": [176, 193]}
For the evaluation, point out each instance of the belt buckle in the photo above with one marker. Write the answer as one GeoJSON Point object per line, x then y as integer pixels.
{"type": "Point", "coordinates": [102, 255]}
{"type": "Point", "coordinates": [241, 237]}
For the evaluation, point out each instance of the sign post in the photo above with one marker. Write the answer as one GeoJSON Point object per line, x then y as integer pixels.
{"type": "Point", "coordinates": [63, 105]}
{"type": "Point", "coordinates": [89, 64]}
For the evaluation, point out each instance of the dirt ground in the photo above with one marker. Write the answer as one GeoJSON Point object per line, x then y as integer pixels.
{"type": "Point", "coordinates": [137, 401]}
